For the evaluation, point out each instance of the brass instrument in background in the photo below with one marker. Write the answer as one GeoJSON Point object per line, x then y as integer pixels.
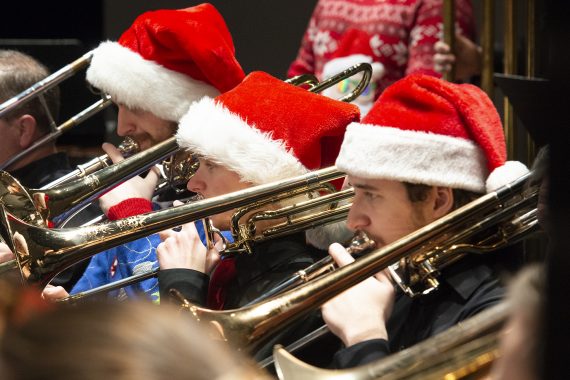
{"type": "Point", "coordinates": [495, 220]}
{"type": "Point", "coordinates": [37, 90]}
{"type": "Point", "coordinates": [466, 350]}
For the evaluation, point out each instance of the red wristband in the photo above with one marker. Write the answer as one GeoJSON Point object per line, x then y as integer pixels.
{"type": "Point", "coordinates": [129, 207]}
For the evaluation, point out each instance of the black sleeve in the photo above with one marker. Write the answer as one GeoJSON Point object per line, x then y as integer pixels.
{"type": "Point", "coordinates": [192, 284]}
{"type": "Point", "coordinates": [361, 353]}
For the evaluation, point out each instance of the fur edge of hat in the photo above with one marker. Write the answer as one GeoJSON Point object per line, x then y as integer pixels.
{"type": "Point", "coordinates": [211, 130]}
{"type": "Point", "coordinates": [142, 84]}
{"type": "Point", "coordinates": [378, 152]}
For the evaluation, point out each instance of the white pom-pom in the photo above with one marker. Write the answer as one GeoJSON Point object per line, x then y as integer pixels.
{"type": "Point", "coordinates": [505, 174]}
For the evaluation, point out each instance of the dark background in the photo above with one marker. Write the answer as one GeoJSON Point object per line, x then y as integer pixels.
{"type": "Point", "coordinates": [266, 35]}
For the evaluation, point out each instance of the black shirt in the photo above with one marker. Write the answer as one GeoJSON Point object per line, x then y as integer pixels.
{"type": "Point", "coordinates": [270, 263]}
{"type": "Point", "coordinates": [466, 288]}
{"type": "Point", "coordinates": [43, 171]}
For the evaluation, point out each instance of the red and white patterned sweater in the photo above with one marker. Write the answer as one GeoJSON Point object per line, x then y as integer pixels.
{"type": "Point", "coordinates": [402, 32]}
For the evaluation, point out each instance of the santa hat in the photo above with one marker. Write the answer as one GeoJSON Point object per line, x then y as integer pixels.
{"type": "Point", "coordinates": [354, 48]}
{"type": "Point", "coordinates": [428, 131]}
{"type": "Point", "coordinates": [166, 60]}
{"type": "Point", "coordinates": [266, 130]}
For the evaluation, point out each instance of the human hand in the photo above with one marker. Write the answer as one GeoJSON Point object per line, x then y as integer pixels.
{"type": "Point", "coordinates": [467, 58]}
{"type": "Point", "coordinates": [184, 249]}
{"type": "Point", "coordinates": [136, 187]}
{"type": "Point", "coordinates": [5, 253]}
{"type": "Point", "coordinates": [54, 293]}
{"type": "Point", "coordinates": [361, 312]}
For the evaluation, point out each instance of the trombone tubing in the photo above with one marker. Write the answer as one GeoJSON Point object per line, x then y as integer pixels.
{"type": "Point", "coordinates": [46, 83]}
{"type": "Point", "coordinates": [43, 256]}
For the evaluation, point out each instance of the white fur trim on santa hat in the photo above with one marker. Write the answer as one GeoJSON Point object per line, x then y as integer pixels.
{"type": "Point", "coordinates": [375, 152]}
{"type": "Point", "coordinates": [142, 84]}
{"type": "Point", "coordinates": [211, 130]}
{"type": "Point", "coordinates": [336, 65]}
{"type": "Point", "coordinates": [505, 174]}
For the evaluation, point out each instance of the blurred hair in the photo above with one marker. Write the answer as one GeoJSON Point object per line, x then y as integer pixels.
{"type": "Point", "coordinates": [18, 71]}
{"type": "Point", "coordinates": [117, 341]}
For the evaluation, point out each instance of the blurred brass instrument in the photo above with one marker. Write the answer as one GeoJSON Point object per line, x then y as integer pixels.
{"type": "Point", "coordinates": [466, 350]}
{"type": "Point", "coordinates": [495, 220]}
{"type": "Point", "coordinates": [37, 90]}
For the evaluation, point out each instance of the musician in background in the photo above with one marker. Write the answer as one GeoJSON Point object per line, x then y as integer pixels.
{"type": "Point", "coordinates": [265, 130]}
{"type": "Point", "coordinates": [27, 123]}
{"type": "Point", "coordinates": [426, 148]}
{"type": "Point", "coordinates": [520, 343]}
{"type": "Point", "coordinates": [160, 65]}
{"type": "Point", "coordinates": [22, 127]}
{"type": "Point", "coordinates": [402, 34]}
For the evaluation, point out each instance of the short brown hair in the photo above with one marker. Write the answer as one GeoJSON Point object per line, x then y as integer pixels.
{"type": "Point", "coordinates": [18, 71]}
{"type": "Point", "coordinates": [418, 192]}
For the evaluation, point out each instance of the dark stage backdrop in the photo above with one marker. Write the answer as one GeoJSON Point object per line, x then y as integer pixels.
{"type": "Point", "coordinates": [267, 35]}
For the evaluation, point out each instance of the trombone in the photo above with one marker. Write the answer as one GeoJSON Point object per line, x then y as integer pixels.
{"type": "Point", "coordinates": [41, 252]}
{"type": "Point", "coordinates": [462, 350]}
{"type": "Point", "coordinates": [504, 217]}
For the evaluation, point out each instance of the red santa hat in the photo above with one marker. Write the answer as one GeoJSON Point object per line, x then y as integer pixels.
{"type": "Point", "coordinates": [266, 130]}
{"type": "Point", "coordinates": [166, 60]}
{"type": "Point", "coordinates": [429, 131]}
{"type": "Point", "coordinates": [354, 48]}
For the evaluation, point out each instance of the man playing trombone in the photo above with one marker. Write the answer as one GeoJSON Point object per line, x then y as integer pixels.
{"type": "Point", "coordinates": [265, 130]}
{"type": "Point", "coordinates": [426, 148]}
{"type": "Point", "coordinates": [157, 68]}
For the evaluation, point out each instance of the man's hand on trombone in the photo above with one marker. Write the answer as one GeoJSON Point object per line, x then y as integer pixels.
{"type": "Point", "coordinates": [361, 312]}
{"type": "Point", "coordinates": [136, 187]}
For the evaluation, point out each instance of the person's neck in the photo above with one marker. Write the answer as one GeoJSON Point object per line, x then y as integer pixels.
{"type": "Point", "coordinates": [34, 155]}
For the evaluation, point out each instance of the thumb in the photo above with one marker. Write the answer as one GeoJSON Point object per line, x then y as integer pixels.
{"type": "Point", "coordinates": [340, 255]}
{"type": "Point", "coordinates": [113, 153]}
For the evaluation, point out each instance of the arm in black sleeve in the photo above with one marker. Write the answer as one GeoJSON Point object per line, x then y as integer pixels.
{"type": "Point", "coordinates": [193, 285]}
{"type": "Point", "coordinates": [361, 353]}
